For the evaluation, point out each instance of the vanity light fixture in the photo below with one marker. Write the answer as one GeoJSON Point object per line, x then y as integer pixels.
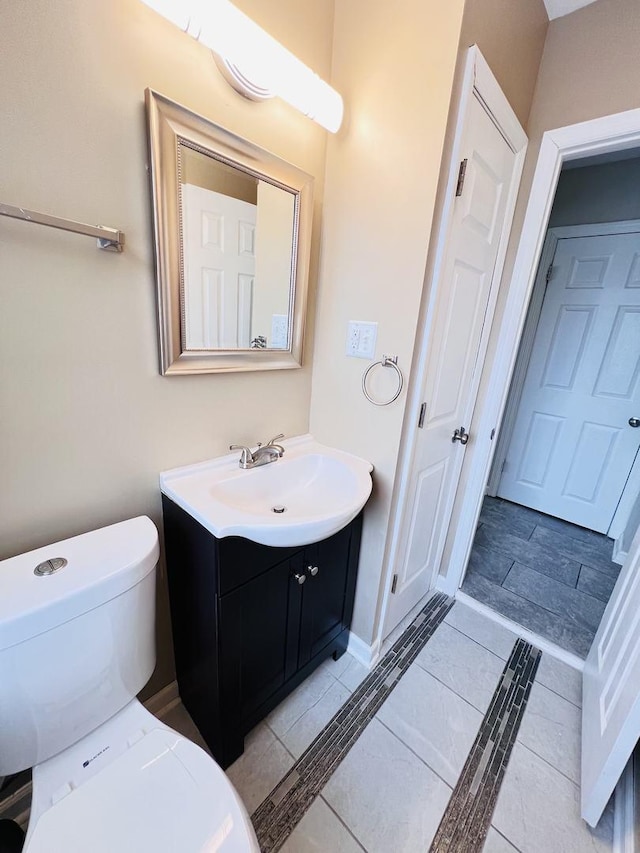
{"type": "Point", "coordinates": [251, 60]}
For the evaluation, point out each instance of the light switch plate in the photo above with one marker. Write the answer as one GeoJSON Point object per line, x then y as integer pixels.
{"type": "Point", "coordinates": [361, 338]}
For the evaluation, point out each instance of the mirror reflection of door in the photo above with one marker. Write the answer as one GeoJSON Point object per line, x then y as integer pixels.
{"type": "Point", "coordinates": [237, 257]}
{"type": "Point", "coordinates": [219, 268]}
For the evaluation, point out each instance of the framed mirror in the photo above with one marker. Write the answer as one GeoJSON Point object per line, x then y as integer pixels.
{"type": "Point", "coordinates": [232, 227]}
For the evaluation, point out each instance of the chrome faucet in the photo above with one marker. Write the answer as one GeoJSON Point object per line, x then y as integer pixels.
{"type": "Point", "coordinates": [262, 455]}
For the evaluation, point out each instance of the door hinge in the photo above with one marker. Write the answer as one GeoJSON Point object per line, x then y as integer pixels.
{"type": "Point", "coordinates": [492, 436]}
{"type": "Point", "coordinates": [549, 273]}
{"type": "Point", "coordinates": [394, 584]}
{"type": "Point", "coordinates": [503, 466]}
{"type": "Point", "coordinates": [423, 412]}
{"type": "Point", "coordinates": [461, 173]}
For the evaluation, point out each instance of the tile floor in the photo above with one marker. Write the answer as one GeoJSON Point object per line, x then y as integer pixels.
{"type": "Point", "coordinates": [391, 790]}
{"type": "Point", "coordinates": [549, 575]}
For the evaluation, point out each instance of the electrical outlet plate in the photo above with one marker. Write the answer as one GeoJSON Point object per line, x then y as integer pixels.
{"type": "Point", "coordinates": [361, 339]}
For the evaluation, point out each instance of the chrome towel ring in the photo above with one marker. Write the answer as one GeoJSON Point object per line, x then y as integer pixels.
{"type": "Point", "coordinates": [386, 361]}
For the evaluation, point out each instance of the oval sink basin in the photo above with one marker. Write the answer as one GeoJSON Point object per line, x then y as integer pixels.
{"type": "Point", "coordinates": [310, 493]}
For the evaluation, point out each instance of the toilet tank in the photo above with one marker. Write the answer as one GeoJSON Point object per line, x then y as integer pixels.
{"type": "Point", "coordinates": [77, 639]}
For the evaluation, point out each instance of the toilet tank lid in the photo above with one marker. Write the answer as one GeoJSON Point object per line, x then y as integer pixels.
{"type": "Point", "coordinates": [100, 565]}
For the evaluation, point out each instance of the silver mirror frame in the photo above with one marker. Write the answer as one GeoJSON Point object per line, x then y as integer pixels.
{"type": "Point", "coordinates": [169, 124]}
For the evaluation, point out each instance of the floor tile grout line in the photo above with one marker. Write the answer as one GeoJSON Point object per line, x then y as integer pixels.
{"type": "Point", "coordinates": [412, 750]}
{"type": "Point", "coordinates": [276, 817]}
{"type": "Point", "coordinates": [473, 640]}
{"type": "Point", "coordinates": [346, 826]}
{"type": "Point", "coordinates": [502, 835]}
{"type": "Point", "coordinates": [470, 704]}
{"type": "Point", "coordinates": [469, 637]}
{"type": "Point", "coordinates": [309, 708]}
{"type": "Point", "coordinates": [560, 696]}
{"type": "Point", "coordinates": [548, 763]}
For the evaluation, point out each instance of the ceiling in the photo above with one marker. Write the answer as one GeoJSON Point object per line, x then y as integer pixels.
{"type": "Point", "coordinates": [558, 8]}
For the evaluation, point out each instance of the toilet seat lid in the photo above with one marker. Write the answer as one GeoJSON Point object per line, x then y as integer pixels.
{"type": "Point", "coordinates": [164, 794]}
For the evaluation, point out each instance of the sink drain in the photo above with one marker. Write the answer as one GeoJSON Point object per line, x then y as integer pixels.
{"type": "Point", "coordinates": [278, 509]}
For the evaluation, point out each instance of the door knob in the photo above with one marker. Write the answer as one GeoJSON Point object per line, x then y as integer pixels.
{"type": "Point", "coordinates": [313, 570]}
{"type": "Point", "coordinates": [300, 578]}
{"type": "Point", "coordinates": [634, 422]}
{"type": "Point", "coordinates": [460, 435]}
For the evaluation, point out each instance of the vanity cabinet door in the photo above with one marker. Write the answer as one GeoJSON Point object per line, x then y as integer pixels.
{"type": "Point", "coordinates": [259, 625]}
{"type": "Point", "coordinates": [327, 598]}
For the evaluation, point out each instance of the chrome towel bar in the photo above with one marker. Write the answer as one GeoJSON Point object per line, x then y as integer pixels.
{"type": "Point", "coordinates": [110, 239]}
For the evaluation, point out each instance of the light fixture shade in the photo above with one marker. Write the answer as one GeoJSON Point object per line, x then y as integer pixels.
{"type": "Point", "coordinates": [260, 58]}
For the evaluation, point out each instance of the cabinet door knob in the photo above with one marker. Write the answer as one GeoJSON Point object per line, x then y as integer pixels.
{"type": "Point", "coordinates": [300, 578]}
{"type": "Point", "coordinates": [313, 570]}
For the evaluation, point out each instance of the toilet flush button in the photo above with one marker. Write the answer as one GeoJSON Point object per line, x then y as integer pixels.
{"type": "Point", "coordinates": [48, 567]}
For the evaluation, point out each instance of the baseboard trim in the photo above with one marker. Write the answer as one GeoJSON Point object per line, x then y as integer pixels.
{"type": "Point", "coordinates": [618, 556]}
{"type": "Point", "coordinates": [164, 700]}
{"type": "Point", "coordinates": [624, 833]}
{"type": "Point", "coordinates": [367, 655]}
{"type": "Point", "coordinates": [530, 636]}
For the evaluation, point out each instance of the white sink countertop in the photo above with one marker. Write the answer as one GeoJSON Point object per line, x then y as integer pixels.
{"type": "Point", "coordinates": [320, 488]}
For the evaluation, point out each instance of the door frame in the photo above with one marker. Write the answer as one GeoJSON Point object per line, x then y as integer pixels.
{"type": "Point", "coordinates": [553, 235]}
{"type": "Point", "coordinates": [615, 132]}
{"type": "Point", "coordinates": [476, 80]}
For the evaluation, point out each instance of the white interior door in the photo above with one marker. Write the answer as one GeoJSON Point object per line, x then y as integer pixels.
{"type": "Point", "coordinates": [462, 313]}
{"type": "Point", "coordinates": [611, 691]}
{"type": "Point", "coordinates": [572, 447]}
{"type": "Point", "coordinates": [219, 268]}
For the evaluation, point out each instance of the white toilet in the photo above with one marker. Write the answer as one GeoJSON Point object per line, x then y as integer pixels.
{"type": "Point", "coordinates": [76, 645]}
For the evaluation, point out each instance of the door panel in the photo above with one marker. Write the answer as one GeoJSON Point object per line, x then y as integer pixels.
{"type": "Point", "coordinates": [219, 268]}
{"type": "Point", "coordinates": [572, 447]}
{"type": "Point", "coordinates": [453, 371]}
{"type": "Point", "coordinates": [611, 700]}
{"type": "Point", "coordinates": [324, 593]}
{"type": "Point", "coordinates": [618, 375]}
{"type": "Point", "coordinates": [259, 635]}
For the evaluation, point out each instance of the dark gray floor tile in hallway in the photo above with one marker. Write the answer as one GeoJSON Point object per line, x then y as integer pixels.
{"type": "Point", "coordinates": [596, 583]}
{"type": "Point", "coordinates": [559, 579]}
{"type": "Point", "coordinates": [578, 607]}
{"type": "Point", "coordinates": [596, 555]}
{"type": "Point", "coordinates": [545, 559]}
{"type": "Point", "coordinates": [495, 515]}
{"type": "Point", "coordinates": [550, 625]}
{"type": "Point", "coordinates": [492, 565]}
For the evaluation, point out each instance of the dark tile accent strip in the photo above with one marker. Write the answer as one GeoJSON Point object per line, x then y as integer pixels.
{"type": "Point", "coordinates": [466, 821]}
{"type": "Point", "coordinates": [278, 815]}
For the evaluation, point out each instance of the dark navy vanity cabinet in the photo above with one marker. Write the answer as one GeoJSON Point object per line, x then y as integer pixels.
{"type": "Point", "coordinates": [250, 622]}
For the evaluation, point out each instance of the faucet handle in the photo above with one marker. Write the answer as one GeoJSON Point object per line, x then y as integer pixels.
{"type": "Point", "coordinates": [278, 447]}
{"type": "Point", "coordinates": [246, 455]}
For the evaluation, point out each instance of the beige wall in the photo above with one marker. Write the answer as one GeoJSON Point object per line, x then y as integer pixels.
{"type": "Point", "coordinates": [589, 69]}
{"type": "Point", "coordinates": [510, 35]}
{"type": "Point", "coordinates": [394, 65]}
{"type": "Point", "coordinates": [86, 421]}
